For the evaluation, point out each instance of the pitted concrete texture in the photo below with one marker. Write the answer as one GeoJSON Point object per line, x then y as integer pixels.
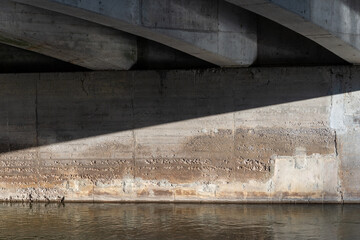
{"type": "Point", "coordinates": [236, 135]}
{"type": "Point", "coordinates": [211, 30]}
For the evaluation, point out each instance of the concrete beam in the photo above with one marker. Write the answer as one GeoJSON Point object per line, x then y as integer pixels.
{"type": "Point", "coordinates": [331, 23]}
{"type": "Point", "coordinates": [16, 60]}
{"type": "Point", "coordinates": [66, 38]}
{"type": "Point", "coordinates": [211, 30]}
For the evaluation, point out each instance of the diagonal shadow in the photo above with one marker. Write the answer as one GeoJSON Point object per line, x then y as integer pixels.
{"type": "Point", "coordinates": [47, 108]}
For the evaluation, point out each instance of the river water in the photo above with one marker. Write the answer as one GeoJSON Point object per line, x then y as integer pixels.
{"type": "Point", "coordinates": [178, 221]}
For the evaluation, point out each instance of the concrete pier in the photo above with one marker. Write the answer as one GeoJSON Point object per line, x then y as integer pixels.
{"type": "Point", "coordinates": [236, 135]}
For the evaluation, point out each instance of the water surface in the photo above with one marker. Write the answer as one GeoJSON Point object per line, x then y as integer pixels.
{"type": "Point", "coordinates": [178, 221]}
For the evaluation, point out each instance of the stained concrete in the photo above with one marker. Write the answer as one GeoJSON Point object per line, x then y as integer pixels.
{"type": "Point", "coordinates": [232, 135]}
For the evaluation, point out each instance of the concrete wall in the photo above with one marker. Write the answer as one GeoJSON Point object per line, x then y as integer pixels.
{"type": "Point", "coordinates": [258, 134]}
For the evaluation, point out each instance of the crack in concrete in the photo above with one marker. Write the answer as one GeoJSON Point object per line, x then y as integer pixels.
{"type": "Point", "coordinates": [83, 86]}
{"type": "Point", "coordinates": [342, 197]}
{"type": "Point", "coordinates": [336, 143]}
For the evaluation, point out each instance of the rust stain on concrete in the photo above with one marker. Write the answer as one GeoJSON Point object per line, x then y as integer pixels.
{"type": "Point", "coordinates": [247, 154]}
{"type": "Point", "coordinates": [221, 158]}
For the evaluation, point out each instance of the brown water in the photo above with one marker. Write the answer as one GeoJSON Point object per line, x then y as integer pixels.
{"type": "Point", "coordinates": [178, 221]}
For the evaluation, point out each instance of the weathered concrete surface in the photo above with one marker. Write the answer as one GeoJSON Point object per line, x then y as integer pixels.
{"type": "Point", "coordinates": [345, 120]}
{"type": "Point", "coordinates": [156, 56]}
{"type": "Point", "coordinates": [150, 55]}
{"type": "Point", "coordinates": [16, 60]}
{"type": "Point", "coordinates": [331, 23]}
{"type": "Point", "coordinates": [212, 30]}
{"type": "Point", "coordinates": [216, 25]}
{"type": "Point", "coordinates": [259, 134]}
{"type": "Point", "coordinates": [66, 38]}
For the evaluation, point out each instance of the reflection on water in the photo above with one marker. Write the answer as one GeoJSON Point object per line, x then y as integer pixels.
{"type": "Point", "coordinates": [178, 221]}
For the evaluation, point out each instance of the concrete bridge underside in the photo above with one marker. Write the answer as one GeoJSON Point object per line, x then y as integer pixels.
{"type": "Point", "coordinates": [110, 34]}
{"type": "Point", "coordinates": [258, 112]}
